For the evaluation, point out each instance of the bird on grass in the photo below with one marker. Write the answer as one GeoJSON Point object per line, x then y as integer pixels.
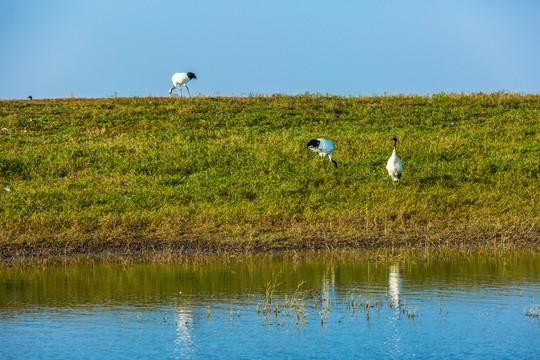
{"type": "Point", "coordinates": [394, 166]}
{"type": "Point", "coordinates": [181, 79]}
{"type": "Point", "coordinates": [323, 147]}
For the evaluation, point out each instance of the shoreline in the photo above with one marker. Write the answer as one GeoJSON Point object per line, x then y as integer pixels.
{"type": "Point", "coordinates": [124, 257]}
{"type": "Point", "coordinates": [118, 250]}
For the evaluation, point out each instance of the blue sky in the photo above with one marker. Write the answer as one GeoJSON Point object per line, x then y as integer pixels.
{"type": "Point", "coordinates": [98, 48]}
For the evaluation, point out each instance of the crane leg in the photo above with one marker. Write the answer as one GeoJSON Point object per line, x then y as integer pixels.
{"type": "Point", "coordinates": [188, 91]}
{"type": "Point", "coordinates": [322, 162]}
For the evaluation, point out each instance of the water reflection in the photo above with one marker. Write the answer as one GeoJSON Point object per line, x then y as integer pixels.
{"type": "Point", "coordinates": [395, 280]}
{"type": "Point", "coordinates": [184, 343]}
{"type": "Point", "coordinates": [59, 304]}
{"type": "Point", "coordinates": [329, 284]}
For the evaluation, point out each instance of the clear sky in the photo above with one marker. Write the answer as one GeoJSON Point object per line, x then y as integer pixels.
{"type": "Point", "coordinates": [97, 48]}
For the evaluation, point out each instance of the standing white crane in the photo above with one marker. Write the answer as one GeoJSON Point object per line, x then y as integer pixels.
{"type": "Point", "coordinates": [323, 147]}
{"type": "Point", "coordinates": [181, 79]}
{"type": "Point", "coordinates": [394, 166]}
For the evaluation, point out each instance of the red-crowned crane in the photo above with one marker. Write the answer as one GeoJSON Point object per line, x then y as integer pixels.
{"type": "Point", "coordinates": [182, 79]}
{"type": "Point", "coordinates": [323, 147]}
{"type": "Point", "coordinates": [394, 166]}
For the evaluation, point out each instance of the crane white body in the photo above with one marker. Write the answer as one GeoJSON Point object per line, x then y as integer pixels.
{"type": "Point", "coordinates": [394, 167]}
{"type": "Point", "coordinates": [179, 79]}
{"type": "Point", "coordinates": [322, 147]}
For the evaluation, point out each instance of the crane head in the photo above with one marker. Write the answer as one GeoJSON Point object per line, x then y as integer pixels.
{"type": "Point", "coordinates": [191, 75]}
{"type": "Point", "coordinates": [313, 143]}
{"type": "Point", "coordinates": [394, 138]}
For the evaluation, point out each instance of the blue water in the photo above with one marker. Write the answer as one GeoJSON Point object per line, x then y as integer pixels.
{"type": "Point", "coordinates": [474, 308]}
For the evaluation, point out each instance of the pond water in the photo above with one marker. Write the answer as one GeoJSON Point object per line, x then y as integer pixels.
{"type": "Point", "coordinates": [259, 307]}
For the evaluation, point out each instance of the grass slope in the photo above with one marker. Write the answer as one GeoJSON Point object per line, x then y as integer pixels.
{"type": "Point", "coordinates": [234, 173]}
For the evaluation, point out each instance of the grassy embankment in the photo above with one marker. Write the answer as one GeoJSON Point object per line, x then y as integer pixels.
{"type": "Point", "coordinates": [234, 173]}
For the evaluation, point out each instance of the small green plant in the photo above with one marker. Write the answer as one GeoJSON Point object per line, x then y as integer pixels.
{"type": "Point", "coordinates": [532, 311]}
{"type": "Point", "coordinates": [411, 312]}
{"type": "Point", "coordinates": [289, 307]}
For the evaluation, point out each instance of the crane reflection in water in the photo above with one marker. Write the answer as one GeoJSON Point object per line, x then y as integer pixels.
{"type": "Point", "coordinates": [184, 322]}
{"type": "Point", "coordinates": [395, 281]}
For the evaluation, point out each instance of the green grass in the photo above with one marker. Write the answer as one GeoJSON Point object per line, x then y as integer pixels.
{"type": "Point", "coordinates": [87, 174]}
